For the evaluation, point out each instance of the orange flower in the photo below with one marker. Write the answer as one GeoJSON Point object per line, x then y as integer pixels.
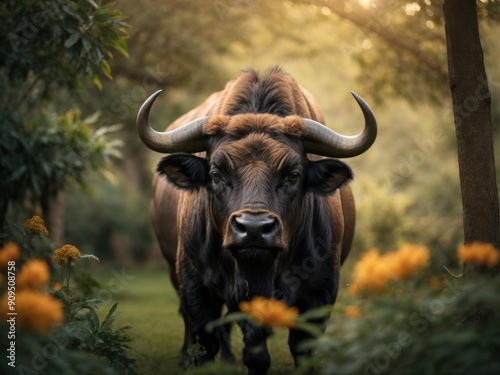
{"type": "Point", "coordinates": [66, 255]}
{"type": "Point", "coordinates": [270, 312]}
{"type": "Point", "coordinates": [57, 286]}
{"type": "Point", "coordinates": [408, 259]}
{"type": "Point", "coordinates": [34, 274]}
{"type": "Point", "coordinates": [352, 312]}
{"type": "Point", "coordinates": [37, 225]}
{"type": "Point", "coordinates": [371, 273]}
{"type": "Point", "coordinates": [36, 311]}
{"type": "Point", "coordinates": [9, 252]}
{"type": "Point", "coordinates": [480, 253]}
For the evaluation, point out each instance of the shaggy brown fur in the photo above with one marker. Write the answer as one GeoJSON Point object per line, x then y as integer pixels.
{"type": "Point", "coordinates": [240, 125]}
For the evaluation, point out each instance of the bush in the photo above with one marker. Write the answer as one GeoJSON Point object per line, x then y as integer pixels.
{"type": "Point", "coordinates": [418, 331]}
{"type": "Point", "coordinates": [55, 330]}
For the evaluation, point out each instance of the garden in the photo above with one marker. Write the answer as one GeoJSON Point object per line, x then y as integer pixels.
{"type": "Point", "coordinates": [84, 287]}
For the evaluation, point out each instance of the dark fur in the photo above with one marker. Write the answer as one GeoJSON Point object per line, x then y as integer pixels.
{"type": "Point", "coordinates": [256, 165]}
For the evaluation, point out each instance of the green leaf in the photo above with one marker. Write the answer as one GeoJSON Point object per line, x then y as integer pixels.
{"type": "Point", "coordinates": [94, 321]}
{"type": "Point", "coordinates": [72, 39]}
{"type": "Point", "coordinates": [17, 174]}
{"type": "Point", "coordinates": [97, 82]}
{"type": "Point", "coordinates": [87, 45]}
{"type": "Point", "coordinates": [105, 323]}
{"type": "Point", "coordinates": [106, 69]}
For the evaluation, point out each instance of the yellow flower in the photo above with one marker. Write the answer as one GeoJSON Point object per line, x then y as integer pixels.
{"type": "Point", "coordinates": [34, 274]}
{"type": "Point", "coordinates": [480, 253]}
{"type": "Point", "coordinates": [36, 311]}
{"type": "Point", "coordinates": [270, 312]}
{"type": "Point", "coordinates": [9, 252]}
{"type": "Point", "coordinates": [37, 225]}
{"type": "Point", "coordinates": [408, 259]}
{"type": "Point", "coordinates": [66, 255]}
{"type": "Point", "coordinates": [352, 312]}
{"type": "Point", "coordinates": [371, 273]}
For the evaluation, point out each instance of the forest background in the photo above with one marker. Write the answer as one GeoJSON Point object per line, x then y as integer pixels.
{"type": "Point", "coordinates": [391, 52]}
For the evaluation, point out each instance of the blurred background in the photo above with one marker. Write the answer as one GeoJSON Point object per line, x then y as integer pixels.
{"type": "Point", "coordinates": [95, 192]}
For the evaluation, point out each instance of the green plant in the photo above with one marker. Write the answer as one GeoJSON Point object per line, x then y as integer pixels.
{"type": "Point", "coordinates": [86, 284]}
{"type": "Point", "coordinates": [87, 332]}
{"type": "Point", "coordinates": [421, 325]}
{"type": "Point", "coordinates": [194, 351]}
{"type": "Point", "coordinates": [56, 317]}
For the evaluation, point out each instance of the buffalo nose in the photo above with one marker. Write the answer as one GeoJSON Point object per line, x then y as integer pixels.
{"type": "Point", "coordinates": [254, 228]}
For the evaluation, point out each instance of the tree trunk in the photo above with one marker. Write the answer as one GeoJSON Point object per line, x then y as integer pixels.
{"type": "Point", "coordinates": [52, 203]}
{"type": "Point", "coordinates": [472, 112]}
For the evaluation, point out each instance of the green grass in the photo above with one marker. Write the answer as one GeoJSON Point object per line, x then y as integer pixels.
{"type": "Point", "coordinates": [149, 304]}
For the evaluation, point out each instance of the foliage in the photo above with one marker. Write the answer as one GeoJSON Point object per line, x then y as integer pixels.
{"type": "Point", "coordinates": [82, 337]}
{"type": "Point", "coordinates": [86, 284]}
{"type": "Point", "coordinates": [32, 349]}
{"type": "Point", "coordinates": [51, 151]}
{"type": "Point", "coordinates": [74, 42]}
{"type": "Point", "coordinates": [453, 321]}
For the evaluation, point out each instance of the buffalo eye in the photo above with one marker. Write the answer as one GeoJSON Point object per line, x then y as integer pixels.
{"type": "Point", "coordinates": [216, 176]}
{"type": "Point", "coordinates": [293, 177]}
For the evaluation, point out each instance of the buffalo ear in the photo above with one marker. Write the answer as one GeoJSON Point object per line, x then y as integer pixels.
{"type": "Point", "coordinates": [185, 171]}
{"type": "Point", "coordinates": [327, 175]}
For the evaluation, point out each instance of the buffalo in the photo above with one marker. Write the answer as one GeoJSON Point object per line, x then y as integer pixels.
{"type": "Point", "coordinates": [250, 201]}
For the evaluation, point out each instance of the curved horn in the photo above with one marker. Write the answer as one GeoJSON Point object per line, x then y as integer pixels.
{"type": "Point", "coordinates": [188, 138]}
{"type": "Point", "coordinates": [321, 140]}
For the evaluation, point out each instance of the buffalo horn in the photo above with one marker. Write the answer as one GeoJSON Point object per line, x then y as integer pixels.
{"type": "Point", "coordinates": [321, 140]}
{"type": "Point", "coordinates": [188, 138]}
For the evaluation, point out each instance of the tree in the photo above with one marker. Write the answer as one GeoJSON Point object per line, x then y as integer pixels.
{"type": "Point", "coordinates": [48, 48]}
{"type": "Point", "coordinates": [472, 109]}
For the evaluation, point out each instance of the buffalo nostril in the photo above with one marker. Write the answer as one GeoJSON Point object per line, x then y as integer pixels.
{"type": "Point", "coordinates": [270, 228]}
{"type": "Point", "coordinates": [238, 226]}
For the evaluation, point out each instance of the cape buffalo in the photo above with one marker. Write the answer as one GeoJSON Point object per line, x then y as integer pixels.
{"type": "Point", "coordinates": [245, 204]}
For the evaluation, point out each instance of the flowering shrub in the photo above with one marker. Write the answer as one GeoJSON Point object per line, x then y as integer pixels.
{"type": "Point", "coordinates": [55, 316]}
{"type": "Point", "coordinates": [413, 324]}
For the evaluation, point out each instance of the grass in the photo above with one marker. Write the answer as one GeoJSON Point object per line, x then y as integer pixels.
{"type": "Point", "coordinates": [148, 303]}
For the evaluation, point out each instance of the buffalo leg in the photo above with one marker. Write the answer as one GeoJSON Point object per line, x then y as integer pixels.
{"type": "Point", "coordinates": [202, 306]}
{"type": "Point", "coordinates": [188, 339]}
{"type": "Point", "coordinates": [255, 354]}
